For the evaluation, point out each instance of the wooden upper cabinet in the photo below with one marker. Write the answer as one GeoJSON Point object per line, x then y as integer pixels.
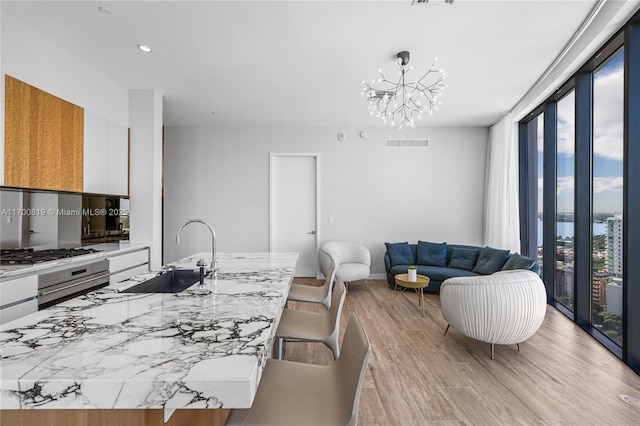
{"type": "Point", "coordinates": [43, 141]}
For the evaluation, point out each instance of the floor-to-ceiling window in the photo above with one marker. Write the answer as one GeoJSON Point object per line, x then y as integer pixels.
{"type": "Point", "coordinates": [565, 160]}
{"type": "Point", "coordinates": [608, 184]}
{"type": "Point", "coordinates": [532, 182]}
{"type": "Point", "coordinates": [591, 192]}
{"type": "Point", "coordinates": [538, 122]}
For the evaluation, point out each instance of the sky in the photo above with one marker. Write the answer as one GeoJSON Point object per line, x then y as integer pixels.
{"type": "Point", "coordinates": [608, 88]}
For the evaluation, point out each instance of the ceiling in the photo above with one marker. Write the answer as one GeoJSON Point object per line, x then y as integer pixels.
{"type": "Point", "coordinates": [301, 63]}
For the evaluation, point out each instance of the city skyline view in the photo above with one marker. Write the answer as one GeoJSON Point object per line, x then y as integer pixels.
{"type": "Point", "coordinates": [607, 200]}
{"type": "Point", "coordinates": [608, 136]}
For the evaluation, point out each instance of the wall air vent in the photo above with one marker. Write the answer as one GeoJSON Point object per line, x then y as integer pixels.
{"type": "Point", "coordinates": [427, 1]}
{"type": "Point", "coordinates": [406, 143]}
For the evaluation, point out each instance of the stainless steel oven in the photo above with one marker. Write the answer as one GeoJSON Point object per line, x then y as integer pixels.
{"type": "Point", "coordinates": [70, 281]}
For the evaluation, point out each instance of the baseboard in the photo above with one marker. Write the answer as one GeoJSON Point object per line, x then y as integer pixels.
{"type": "Point", "coordinates": [377, 277]}
{"type": "Point", "coordinates": [370, 277]}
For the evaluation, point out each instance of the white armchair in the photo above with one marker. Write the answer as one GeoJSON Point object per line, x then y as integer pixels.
{"type": "Point", "coordinates": [504, 308]}
{"type": "Point", "coordinates": [353, 261]}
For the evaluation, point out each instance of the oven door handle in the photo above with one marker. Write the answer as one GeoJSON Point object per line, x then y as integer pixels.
{"type": "Point", "coordinates": [46, 293]}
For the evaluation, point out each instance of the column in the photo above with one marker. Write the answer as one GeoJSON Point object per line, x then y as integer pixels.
{"type": "Point", "coordinates": [145, 174]}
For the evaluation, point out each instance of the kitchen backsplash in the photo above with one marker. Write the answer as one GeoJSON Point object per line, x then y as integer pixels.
{"type": "Point", "coordinates": [36, 218]}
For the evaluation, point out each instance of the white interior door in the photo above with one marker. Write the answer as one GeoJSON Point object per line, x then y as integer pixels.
{"type": "Point", "coordinates": [42, 229]}
{"type": "Point", "coordinates": [294, 207]}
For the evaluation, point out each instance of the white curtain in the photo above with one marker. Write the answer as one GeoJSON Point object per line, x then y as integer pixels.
{"type": "Point", "coordinates": [501, 213]}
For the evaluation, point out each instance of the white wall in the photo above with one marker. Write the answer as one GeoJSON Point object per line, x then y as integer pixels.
{"type": "Point", "coordinates": [374, 194]}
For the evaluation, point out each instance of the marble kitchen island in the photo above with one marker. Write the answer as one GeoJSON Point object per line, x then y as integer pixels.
{"type": "Point", "coordinates": [133, 358]}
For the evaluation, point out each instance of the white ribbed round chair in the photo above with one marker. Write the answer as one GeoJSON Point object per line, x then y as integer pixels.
{"type": "Point", "coordinates": [353, 261]}
{"type": "Point", "coordinates": [503, 308]}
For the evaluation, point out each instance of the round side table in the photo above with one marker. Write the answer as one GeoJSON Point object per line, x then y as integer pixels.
{"type": "Point", "coordinates": [418, 285]}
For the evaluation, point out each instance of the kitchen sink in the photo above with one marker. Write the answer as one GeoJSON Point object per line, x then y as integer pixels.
{"type": "Point", "coordinates": [174, 281]}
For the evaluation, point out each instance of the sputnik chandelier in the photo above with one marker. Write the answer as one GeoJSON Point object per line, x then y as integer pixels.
{"type": "Point", "coordinates": [402, 102]}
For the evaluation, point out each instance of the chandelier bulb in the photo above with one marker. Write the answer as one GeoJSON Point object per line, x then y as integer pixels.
{"type": "Point", "coordinates": [380, 70]}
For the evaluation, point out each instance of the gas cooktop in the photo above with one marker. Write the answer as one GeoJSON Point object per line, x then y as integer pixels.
{"type": "Point", "coordinates": [30, 256]}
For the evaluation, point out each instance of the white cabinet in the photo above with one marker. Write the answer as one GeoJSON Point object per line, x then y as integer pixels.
{"type": "Point", "coordinates": [18, 298]}
{"type": "Point", "coordinates": [117, 159]}
{"type": "Point", "coordinates": [125, 266]}
{"type": "Point", "coordinates": [106, 155]}
{"type": "Point", "coordinates": [95, 148]}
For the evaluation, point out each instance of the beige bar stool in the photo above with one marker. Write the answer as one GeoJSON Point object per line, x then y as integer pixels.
{"type": "Point", "coordinates": [313, 294]}
{"type": "Point", "coordinates": [292, 393]}
{"type": "Point", "coordinates": [304, 326]}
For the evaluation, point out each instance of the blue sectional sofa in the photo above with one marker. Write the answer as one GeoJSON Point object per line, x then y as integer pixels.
{"type": "Point", "coordinates": [440, 261]}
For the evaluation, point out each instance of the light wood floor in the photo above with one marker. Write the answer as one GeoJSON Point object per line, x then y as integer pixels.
{"type": "Point", "coordinates": [418, 376]}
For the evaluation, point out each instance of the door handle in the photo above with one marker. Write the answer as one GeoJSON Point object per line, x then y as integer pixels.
{"type": "Point", "coordinates": [311, 232]}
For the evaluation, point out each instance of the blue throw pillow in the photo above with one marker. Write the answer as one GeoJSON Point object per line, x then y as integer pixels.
{"type": "Point", "coordinates": [463, 258]}
{"type": "Point", "coordinates": [432, 254]}
{"type": "Point", "coordinates": [400, 253]}
{"type": "Point", "coordinates": [490, 260]}
{"type": "Point", "coordinates": [518, 261]}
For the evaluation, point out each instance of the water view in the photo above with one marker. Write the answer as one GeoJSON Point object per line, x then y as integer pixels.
{"type": "Point", "coordinates": [565, 230]}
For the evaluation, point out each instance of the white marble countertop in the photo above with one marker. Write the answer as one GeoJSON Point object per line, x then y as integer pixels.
{"type": "Point", "coordinates": [104, 250]}
{"type": "Point", "coordinates": [129, 350]}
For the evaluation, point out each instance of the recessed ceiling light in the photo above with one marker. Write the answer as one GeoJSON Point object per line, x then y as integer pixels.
{"type": "Point", "coordinates": [145, 48]}
{"type": "Point", "coordinates": [104, 10]}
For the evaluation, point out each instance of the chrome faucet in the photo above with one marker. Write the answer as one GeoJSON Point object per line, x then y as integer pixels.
{"type": "Point", "coordinates": [214, 262]}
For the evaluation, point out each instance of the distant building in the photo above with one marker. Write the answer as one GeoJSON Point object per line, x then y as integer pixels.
{"type": "Point", "coordinates": [564, 280]}
{"type": "Point", "coordinates": [599, 284]}
{"type": "Point", "coordinates": [614, 297]}
{"type": "Point", "coordinates": [613, 262]}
